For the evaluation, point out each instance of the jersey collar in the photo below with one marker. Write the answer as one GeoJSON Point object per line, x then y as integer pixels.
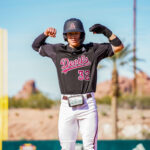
{"type": "Point", "coordinates": [77, 50]}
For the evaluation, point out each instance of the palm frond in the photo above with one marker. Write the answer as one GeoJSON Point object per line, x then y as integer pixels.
{"type": "Point", "coordinates": [125, 52]}
{"type": "Point", "coordinates": [131, 59]}
{"type": "Point", "coordinates": [137, 68]}
{"type": "Point", "coordinates": [113, 58]}
{"type": "Point", "coordinates": [101, 66]}
{"type": "Point", "coordinates": [122, 63]}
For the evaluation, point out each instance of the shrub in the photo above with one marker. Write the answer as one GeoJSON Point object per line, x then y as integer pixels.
{"type": "Point", "coordinates": [37, 100]}
{"type": "Point", "coordinates": [104, 113]}
{"type": "Point", "coordinates": [146, 134]}
{"type": "Point", "coordinates": [140, 102]}
{"type": "Point", "coordinates": [104, 100]}
{"type": "Point", "coordinates": [128, 101]}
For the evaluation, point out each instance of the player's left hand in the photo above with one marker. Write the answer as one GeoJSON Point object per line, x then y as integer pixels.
{"type": "Point", "coordinates": [98, 29]}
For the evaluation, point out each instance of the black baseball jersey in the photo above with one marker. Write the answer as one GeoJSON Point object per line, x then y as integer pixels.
{"type": "Point", "coordinates": [76, 67]}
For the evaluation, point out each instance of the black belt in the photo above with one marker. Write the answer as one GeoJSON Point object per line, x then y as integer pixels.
{"type": "Point", "coordinates": [87, 95]}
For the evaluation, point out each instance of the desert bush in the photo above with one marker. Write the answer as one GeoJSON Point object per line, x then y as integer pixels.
{"type": "Point", "coordinates": [104, 100]}
{"type": "Point", "coordinates": [128, 101]}
{"type": "Point", "coordinates": [37, 100]}
{"type": "Point", "coordinates": [146, 134]}
{"type": "Point", "coordinates": [20, 103]}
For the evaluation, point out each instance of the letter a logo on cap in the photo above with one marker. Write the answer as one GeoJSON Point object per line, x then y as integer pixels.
{"type": "Point", "coordinates": [72, 26]}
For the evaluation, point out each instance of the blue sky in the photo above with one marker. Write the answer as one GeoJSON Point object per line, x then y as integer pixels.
{"type": "Point", "coordinates": [26, 19]}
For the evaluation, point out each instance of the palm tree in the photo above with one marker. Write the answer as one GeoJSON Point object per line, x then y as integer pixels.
{"type": "Point", "coordinates": [119, 59]}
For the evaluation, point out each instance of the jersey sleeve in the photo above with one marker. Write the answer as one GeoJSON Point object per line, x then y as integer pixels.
{"type": "Point", "coordinates": [103, 50]}
{"type": "Point", "coordinates": [43, 48]}
{"type": "Point", "coordinates": [48, 50]}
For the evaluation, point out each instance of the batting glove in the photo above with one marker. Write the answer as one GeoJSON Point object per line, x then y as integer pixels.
{"type": "Point", "coordinates": [98, 28]}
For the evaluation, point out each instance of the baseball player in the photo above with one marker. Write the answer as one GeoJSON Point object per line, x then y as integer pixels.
{"type": "Point", "coordinates": [76, 65]}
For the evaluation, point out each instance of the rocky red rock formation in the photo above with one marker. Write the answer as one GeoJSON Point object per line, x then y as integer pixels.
{"type": "Point", "coordinates": [103, 89]}
{"type": "Point", "coordinates": [143, 84]}
{"type": "Point", "coordinates": [126, 86]}
{"type": "Point", "coordinates": [28, 88]}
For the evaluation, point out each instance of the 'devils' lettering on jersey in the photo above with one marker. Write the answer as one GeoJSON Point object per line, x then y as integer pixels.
{"type": "Point", "coordinates": [68, 65]}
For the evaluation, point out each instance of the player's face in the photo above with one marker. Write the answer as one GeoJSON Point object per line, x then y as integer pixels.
{"type": "Point", "coordinates": [73, 39]}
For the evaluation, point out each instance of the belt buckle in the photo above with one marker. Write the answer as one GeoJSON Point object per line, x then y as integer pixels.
{"type": "Point", "coordinates": [75, 100]}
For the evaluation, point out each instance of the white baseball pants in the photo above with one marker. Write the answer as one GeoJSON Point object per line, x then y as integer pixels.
{"type": "Point", "coordinates": [83, 118]}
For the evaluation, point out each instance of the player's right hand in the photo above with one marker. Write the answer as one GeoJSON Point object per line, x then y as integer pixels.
{"type": "Point", "coordinates": [50, 32]}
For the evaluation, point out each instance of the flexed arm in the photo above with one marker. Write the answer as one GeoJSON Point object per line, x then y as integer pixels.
{"type": "Point", "coordinates": [40, 40]}
{"type": "Point", "coordinates": [114, 40]}
{"type": "Point", "coordinates": [46, 49]}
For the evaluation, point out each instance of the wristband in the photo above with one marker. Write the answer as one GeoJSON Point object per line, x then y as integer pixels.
{"type": "Point", "coordinates": [115, 42]}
